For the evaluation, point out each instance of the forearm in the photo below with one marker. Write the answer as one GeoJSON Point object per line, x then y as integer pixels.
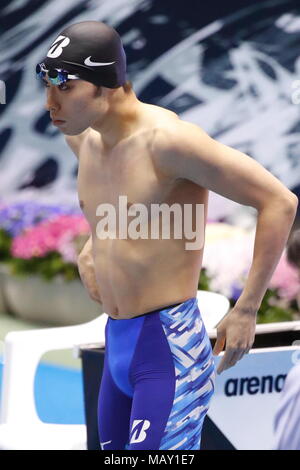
{"type": "Point", "coordinates": [274, 223]}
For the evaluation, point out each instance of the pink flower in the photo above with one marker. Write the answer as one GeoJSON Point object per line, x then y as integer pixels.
{"type": "Point", "coordinates": [49, 236]}
{"type": "Point", "coordinates": [286, 279]}
{"type": "Point", "coordinates": [67, 249]}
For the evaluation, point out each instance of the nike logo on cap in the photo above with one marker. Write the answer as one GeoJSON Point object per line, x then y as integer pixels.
{"type": "Point", "coordinates": [96, 64]}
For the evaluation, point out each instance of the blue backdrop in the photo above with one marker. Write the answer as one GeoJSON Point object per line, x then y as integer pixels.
{"type": "Point", "coordinates": [229, 67]}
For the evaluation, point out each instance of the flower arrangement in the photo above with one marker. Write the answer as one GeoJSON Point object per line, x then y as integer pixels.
{"type": "Point", "coordinates": [226, 262]}
{"type": "Point", "coordinates": [15, 218]}
{"type": "Point", "coordinates": [50, 248]}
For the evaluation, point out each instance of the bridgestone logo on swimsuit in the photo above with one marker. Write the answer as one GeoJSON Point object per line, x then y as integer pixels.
{"type": "Point", "coordinates": [152, 224]}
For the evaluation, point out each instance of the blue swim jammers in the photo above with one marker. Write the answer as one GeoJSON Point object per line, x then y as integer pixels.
{"type": "Point", "coordinates": [157, 381]}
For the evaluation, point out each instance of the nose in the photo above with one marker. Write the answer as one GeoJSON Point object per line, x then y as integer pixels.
{"type": "Point", "coordinates": [51, 102]}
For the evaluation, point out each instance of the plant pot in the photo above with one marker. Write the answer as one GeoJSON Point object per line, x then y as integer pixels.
{"type": "Point", "coordinates": [56, 302]}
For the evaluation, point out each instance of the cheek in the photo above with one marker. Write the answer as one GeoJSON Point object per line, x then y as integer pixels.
{"type": "Point", "coordinates": [79, 114]}
{"type": "Point", "coordinates": [80, 106]}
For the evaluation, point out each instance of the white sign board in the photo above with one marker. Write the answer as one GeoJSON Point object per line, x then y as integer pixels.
{"type": "Point", "coordinates": [247, 395]}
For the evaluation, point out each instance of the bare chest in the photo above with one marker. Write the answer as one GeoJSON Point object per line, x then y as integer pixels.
{"type": "Point", "coordinates": [126, 174]}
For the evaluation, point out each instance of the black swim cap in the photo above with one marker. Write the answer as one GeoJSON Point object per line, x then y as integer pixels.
{"type": "Point", "coordinates": [93, 51]}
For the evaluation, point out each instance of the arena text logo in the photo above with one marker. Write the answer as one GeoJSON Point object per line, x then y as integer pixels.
{"type": "Point", "coordinates": [163, 221]}
{"type": "Point", "coordinates": [2, 92]}
{"type": "Point", "coordinates": [254, 385]}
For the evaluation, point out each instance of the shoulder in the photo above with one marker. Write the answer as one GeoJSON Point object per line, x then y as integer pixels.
{"type": "Point", "coordinates": [75, 142]}
{"type": "Point", "coordinates": [177, 135]}
{"type": "Point", "coordinates": [173, 141]}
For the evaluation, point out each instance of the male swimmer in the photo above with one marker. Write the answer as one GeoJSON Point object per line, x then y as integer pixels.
{"type": "Point", "coordinates": [158, 377]}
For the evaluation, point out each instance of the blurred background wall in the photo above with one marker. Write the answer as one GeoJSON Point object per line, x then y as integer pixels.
{"type": "Point", "coordinates": [228, 67]}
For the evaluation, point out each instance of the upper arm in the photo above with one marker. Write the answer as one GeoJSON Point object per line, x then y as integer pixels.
{"type": "Point", "coordinates": [75, 141]}
{"type": "Point", "coordinates": [186, 151]}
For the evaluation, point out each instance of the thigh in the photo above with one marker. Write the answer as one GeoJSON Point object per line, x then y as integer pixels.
{"type": "Point", "coordinates": [114, 407]}
{"type": "Point", "coordinates": [151, 405]}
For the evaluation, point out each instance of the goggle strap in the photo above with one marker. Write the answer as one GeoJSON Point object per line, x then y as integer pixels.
{"type": "Point", "coordinates": [73, 77]}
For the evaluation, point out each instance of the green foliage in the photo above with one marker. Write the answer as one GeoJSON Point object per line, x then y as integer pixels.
{"type": "Point", "coordinates": [47, 267]}
{"type": "Point", "coordinates": [204, 280]}
{"type": "Point", "coordinates": [270, 310]}
{"type": "Point", "coordinates": [5, 244]}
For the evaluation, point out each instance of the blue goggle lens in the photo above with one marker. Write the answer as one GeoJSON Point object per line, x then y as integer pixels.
{"type": "Point", "coordinates": [55, 76]}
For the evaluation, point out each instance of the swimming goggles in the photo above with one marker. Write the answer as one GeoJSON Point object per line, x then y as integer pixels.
{"type": "Point", "coordinates": [55, 76]}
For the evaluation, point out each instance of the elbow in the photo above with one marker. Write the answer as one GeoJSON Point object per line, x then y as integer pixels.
{"type": "Point", "coordinates": [290, 203]}
{"type": "Point", "coordinates": [287, 202]}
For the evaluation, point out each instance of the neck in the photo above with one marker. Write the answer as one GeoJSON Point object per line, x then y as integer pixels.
{"type": "Point", "coordinates": [121, 118]}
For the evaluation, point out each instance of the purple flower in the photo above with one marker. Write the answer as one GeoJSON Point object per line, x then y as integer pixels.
{"type": "Point", "coordinates": [15, 218]}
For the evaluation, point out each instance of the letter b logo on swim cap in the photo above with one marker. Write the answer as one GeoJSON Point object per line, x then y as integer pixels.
{"type": "Point", "coordinates": [57, 46]}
